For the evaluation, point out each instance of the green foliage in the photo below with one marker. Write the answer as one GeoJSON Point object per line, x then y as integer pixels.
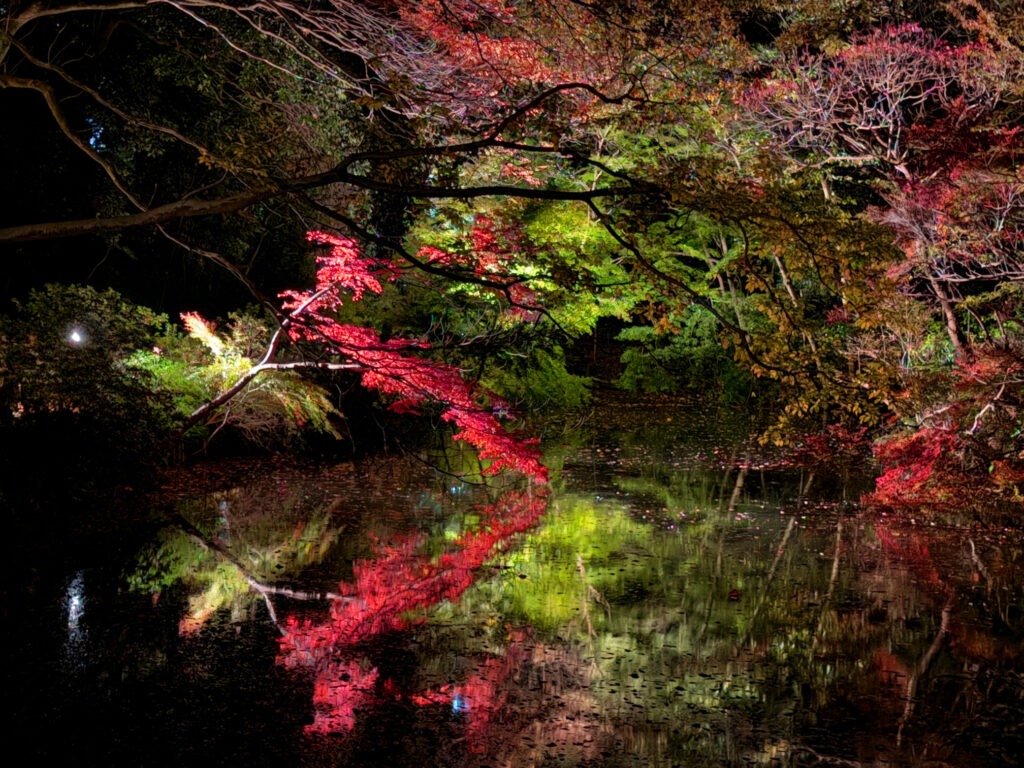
{"type": "Point", "coordinates": [583, 280]}
{"type": "Point", "coordinates": [690, 358]}
{"type": "Point", "coordinates": [192, 369]}
{"type": "Point", "coordinates": [756, 239]}
{"type": "Point", "coordinates": [565, 257]}
{"type": "Point", "coordinates": [539, 382]}
{"type": "Point", "coordinates": [68, 400]}
{"type": "Point", "coordinates": [94, 386]}
{"type": "Point", "coordinates": [62, 351]}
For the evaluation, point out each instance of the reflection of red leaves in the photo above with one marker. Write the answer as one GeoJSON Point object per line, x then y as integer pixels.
{"type": "Point", "coordinates": [193, 622]}
{"type": "Point", "coordinates": [891, 670]}
{"type": "Point", "coordinates": [442, 695]}
{"type": "Point", "coordinates": [834, 444]}
{"type": "Point", "coordinates": [975, 644]}
{"type": "Point", "coordinates": [912, 548]}
{"type": "Point", "coordinates": [401, 580]}
{"type": "Point", "coordinates": [339, 690]}
{"type": "Point", "coordinates": [481, 696]}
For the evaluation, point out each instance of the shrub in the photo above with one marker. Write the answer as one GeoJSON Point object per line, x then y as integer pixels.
{"type": "Point", "coordinates": [69, 406]}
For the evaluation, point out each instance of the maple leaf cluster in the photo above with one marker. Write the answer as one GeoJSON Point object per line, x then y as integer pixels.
{"type": "Point", "coordinates": [387, 368]}
{"type": "Point", "coordinates": [919, 470]}
{"type": "Point", "coordinates": [967, 452]}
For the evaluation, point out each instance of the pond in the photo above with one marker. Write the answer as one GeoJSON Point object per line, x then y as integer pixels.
{"type": "Point", "coordinates": [666, 602]}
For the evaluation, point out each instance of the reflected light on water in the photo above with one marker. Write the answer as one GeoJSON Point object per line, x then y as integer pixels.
{"type": "Point", "coordinates": [75, 604]}
{"type": "Point", "coordinates": [74, 608]}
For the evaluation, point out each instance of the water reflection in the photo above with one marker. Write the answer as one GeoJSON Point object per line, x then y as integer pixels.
{"type": "Point", "coordinates": [403, 579]}
{"type": "Point", "coordinates": [76, 605]}
{"type": "Point", "coordinates": [665, 602]}
{"type": "Point", "coordinates": [75, 642]}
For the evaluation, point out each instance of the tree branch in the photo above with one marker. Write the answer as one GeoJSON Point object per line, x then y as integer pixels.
{"type": "Point", "coordinates": [188, 208]}
{"type": "Point", "coordinates": [46, 91]}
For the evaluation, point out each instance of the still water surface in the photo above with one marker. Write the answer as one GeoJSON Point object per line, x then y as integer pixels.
{"type": "Point", "coordinates": [656, 606]}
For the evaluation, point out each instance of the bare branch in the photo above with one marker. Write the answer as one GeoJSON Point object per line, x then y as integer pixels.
{"type": "Point", "coordinates": [102, 101]}
{"type": "Point", "coordinates": [44, 89]}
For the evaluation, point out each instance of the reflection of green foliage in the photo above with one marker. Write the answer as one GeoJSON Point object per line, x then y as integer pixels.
{"type": "Point", "coordinates": [224, 585]}
{"type": "Point", "coordinates": [174, 556]}
{"type": "Point", "coordinates": [588, 557]}
{"type": "Point", "coordinates": [687, 492]}
{"type": "Point", "coordinates": [177, 558]}
{"type": "Point", "coordinates": [277, 545]}
{"type": "Point", "coordinates": [650, 606]}
{"type": "Point", "coordinates": [580, 546]}
{"type": "Point", "coordinates": [630, 617]}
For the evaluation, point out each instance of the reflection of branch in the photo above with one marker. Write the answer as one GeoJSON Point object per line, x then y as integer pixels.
{"type": "Point", "coordinates": [922, 667]}
{"type": "Point", "coordinates": [738, 487]}
{"type": "Point", "coordinates": [829, 759]}
{"type": "Point", "coordinates": [831, 584]}
{"type": "Point", "coordinates": [978, 564]}
{"type": "Point", "coordinates": [591, 592]}
{"type": "Point", "coordinates": [771, 577]}
{"type": "Point", "coordinates": [37, 10]}
{"type": "Point", "coordinates": [266, 590]}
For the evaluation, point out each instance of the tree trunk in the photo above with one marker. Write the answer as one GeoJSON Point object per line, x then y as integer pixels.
{"type": "Point", "coordinates": [953, 329]}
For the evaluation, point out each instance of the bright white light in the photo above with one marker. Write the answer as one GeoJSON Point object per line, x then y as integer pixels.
{"type": "Point", "coordinates": [75, 337]}
{"type": "Point", "coordinates": [76, 602]}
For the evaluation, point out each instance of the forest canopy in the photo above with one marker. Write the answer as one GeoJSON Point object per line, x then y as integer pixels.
{"type": "Point", "coordinates": [820, 201]}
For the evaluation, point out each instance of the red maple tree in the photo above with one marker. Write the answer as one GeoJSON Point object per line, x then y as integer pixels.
{"type": "Point", "coordinates": [390, 367]}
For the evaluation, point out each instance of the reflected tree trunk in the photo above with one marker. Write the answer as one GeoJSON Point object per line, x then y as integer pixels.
{"type": "Point", "coordinates": [922, 668]}
{"type": "Point", "coordinates": [738, 487]}
{"type": "Point", "coordinates": [827, 602]}
{"type": "Point", "coordinates": [768, 581]}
